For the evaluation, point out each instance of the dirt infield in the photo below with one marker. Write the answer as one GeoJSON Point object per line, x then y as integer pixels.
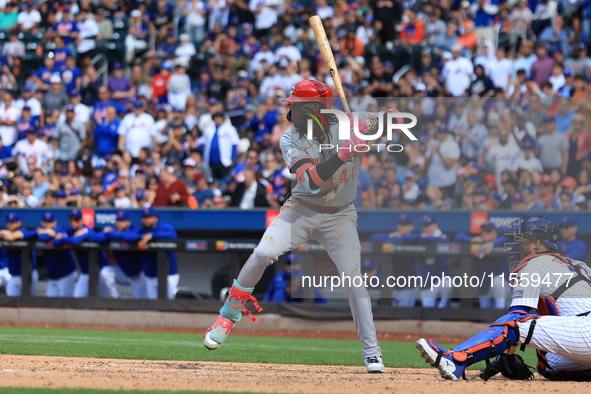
{"type": "Point", "coordinates": [68, 372]}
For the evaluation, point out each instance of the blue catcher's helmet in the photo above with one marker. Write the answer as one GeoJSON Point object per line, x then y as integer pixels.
{"type": "Point", "coordinates": [531, 227]}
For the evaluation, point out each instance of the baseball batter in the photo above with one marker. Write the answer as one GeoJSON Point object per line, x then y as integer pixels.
{"type": "Point", "coordinates": [558, 287]}
{"type": "Point", "coordinates": [320, 209]}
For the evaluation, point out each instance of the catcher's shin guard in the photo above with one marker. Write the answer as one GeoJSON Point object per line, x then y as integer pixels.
{"type": "Point", "coordinates": [230, 313]}
{"type": "Point", "coordinates": [502, 335]}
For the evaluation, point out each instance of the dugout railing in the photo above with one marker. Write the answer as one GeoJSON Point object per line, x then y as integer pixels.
{"type": "Point", "coordinates": [387, 255]}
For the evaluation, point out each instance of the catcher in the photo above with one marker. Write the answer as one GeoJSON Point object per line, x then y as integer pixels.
{"type": "Point", "coordinates": [544, 279]}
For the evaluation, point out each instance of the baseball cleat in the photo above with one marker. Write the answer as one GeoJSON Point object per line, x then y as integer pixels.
{"type": "Point", "coordinates": [374, 365]}
{"type": "Point", "coordinates": [435, 355]}
{"type": "Point", "coordinates": [217, 334]}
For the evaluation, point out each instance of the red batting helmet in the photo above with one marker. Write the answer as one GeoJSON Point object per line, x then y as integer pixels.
{"type": "Point", "coordinates": [308, 90]}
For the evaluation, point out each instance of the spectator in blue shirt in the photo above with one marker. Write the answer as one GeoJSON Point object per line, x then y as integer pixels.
{"type": "Point", "coordinates": [5, 151]}
{"type": "Point", "coordinates": [106, 134]}
{"type": "Point", "coordinates": [570, 245]}
{"type": "Point", "coordinates": [71, 75]}
{"type": "Point", "coordinates": [44, 73]}
{"type": "Point", "coordinates": [67, 28]}
{"type": "Point", "coordinates": [203, 191]}
{"type": "Point", "coordinates": [104, 102]}
{"type": "Point", "coordinates": [26, 123]}
{"type": "Point", "coordinates": [60, 53]}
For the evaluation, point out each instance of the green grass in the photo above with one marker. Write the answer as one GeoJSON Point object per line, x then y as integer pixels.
{"type": "Point", "coordinates": [19, 390]}
{"type": "Point", "coordinates": [188, 347]}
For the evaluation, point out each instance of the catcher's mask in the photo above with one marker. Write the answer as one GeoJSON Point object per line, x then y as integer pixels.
{"type": "Point", "coordinates": [536, 227]}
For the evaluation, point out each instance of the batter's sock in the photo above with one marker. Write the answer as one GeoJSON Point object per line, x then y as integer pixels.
{"type": "Point", "coordinates": [234, 305]}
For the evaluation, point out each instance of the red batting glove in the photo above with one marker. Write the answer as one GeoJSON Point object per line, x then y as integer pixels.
{"type": "Point", "coordinates": [350, 147]}
{"type": "Point", "coordinates": [361, 122]}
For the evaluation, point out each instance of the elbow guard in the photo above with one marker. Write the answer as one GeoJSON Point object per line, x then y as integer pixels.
{"type": "Point", "coordinates": [308, 177]}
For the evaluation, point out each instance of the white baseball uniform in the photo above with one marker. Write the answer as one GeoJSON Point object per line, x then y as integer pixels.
{"type": "Point", "coordinates": [564, 337]}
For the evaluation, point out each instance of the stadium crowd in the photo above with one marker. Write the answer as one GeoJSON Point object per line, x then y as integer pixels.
{"type": "Point", "coordinates": [191, 112]}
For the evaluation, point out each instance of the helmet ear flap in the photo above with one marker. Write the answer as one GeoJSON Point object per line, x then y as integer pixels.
{"type": "Point", "coordinates": [288, 115]}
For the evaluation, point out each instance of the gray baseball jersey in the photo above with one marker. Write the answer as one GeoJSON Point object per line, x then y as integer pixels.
{"type": "Point", "coordinates": [338, 191]}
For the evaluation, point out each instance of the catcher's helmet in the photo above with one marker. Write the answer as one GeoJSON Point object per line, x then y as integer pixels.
{"type": "Point", "coordinates": [306, 91]}
{"type": "Point", "coordinates": [531, 227]}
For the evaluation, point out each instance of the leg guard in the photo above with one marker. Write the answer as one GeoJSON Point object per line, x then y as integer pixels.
{"type": "Point", "coordinates": [230, 314]}
{"type": "Point", "coordinates": [502, 335]}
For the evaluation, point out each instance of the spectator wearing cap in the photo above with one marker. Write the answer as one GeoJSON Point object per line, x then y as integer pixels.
{"type": "Point", "coordinates": [30, 18]}
{"type": "Point", "coordinates": [89, 31]}
{"type": "Point", "coordinates": [438, 296]}
{"type": "Point", "coordinates": [69, 136]}
{"type": "Point", "coordinates": [571, 246]}
{"type": "Point", "coordinates": [569, 89]}
{"type": "Point", "coordinates": [457, 73]}
{"type": "Point", "coordinates": [189, 174]}
{"type": "Point", "coordinates": [171, 191]}
{"type": "Point", "coordinates": [81, 110]}
{"type": "Point", "coordinates": [121, 88]}
{"type": "Point", "coordinates": [56, 98]}
{"type": "Point", "coordinates": [106, 133]}
{"type": "Point", "coordinates": [410, 188]}
{"type": "Point", "coordinates": [9, 115]}
{"type": "Point", "coordinates": [195, 13]}
{"type": "Point", "coordinates": [121, 201]}
{"type": "Point", "coordinates": [15, 231]}
{"type": "Point", "coordinates": [137, 131]}
{"type": "Point", "coordinates": [413, 31]}
{"type": "Point", "coordinates": [140, 199]}
{"type": "Point", "coordinates": [494, 296]}
{"type": "Point", "coordinates": [528, 161]}
{"type": "Point", "coordinates": [203, 192]}
{"type": "Point", "coordinates": [60, 265]}
{"type": "Point", "coordinates": [128, 271]}
{"type": "Point", "coordinates": [66, 29]}
{"type": "Point", "coordinates": [553, 148]}
{"type": "Point", "coordinates": [137, 36]}
{"type": "Point", "coordinates": [27, 100]}
{"type": "Point", "coordinates": [159, 83]}
{"type": "Point", "coordinates": [32, 147]}
{"type": "Point", "coordinates": [26, 123]}
{"type": "Point", "coordinates": [518, 202]}
{"type": "Point", "coordinates": [442, 163]}
{"type": "Point", "coordinates": [186, 50]}
{"type": "Point", "coordinates": [14, 47]}
{"type": "Point", "coordinates": [179, 86]}
{"type": "Point", "coordinates": [221, 142]}
{"type": "Point", "coordinates": [167, 46]}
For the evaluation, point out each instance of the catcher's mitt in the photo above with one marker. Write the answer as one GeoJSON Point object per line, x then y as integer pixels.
{"type": "Point", "coordinates": [510, 366]}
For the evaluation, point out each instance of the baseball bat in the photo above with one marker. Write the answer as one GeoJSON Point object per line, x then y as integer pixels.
{"type": "Point", "coordinates": [326, 52]}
